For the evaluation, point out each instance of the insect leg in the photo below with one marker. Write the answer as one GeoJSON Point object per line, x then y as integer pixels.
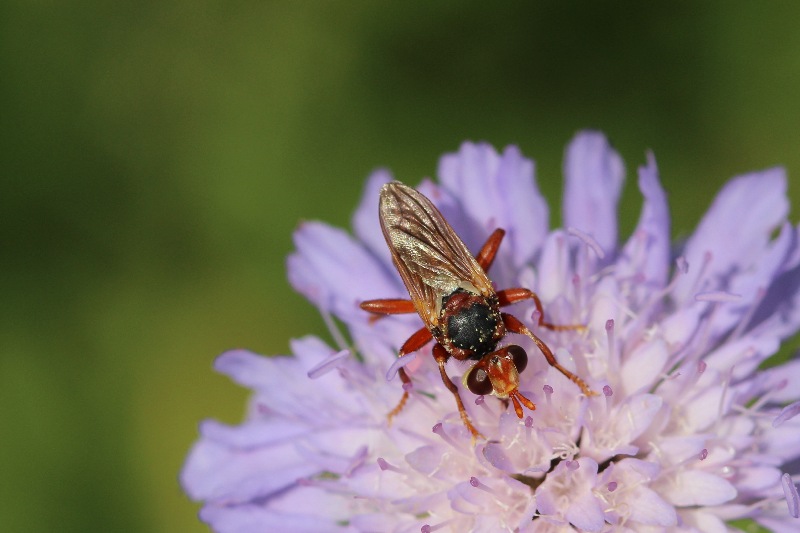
{"type": "Point", "coordinates": [420, 338]}
{"type": "Point", "coordinates": [441, 356]}
{"type": "Point", "coordinates": [514, 325]}
{"type": "Point", "coordinates": [485, 257]}
{"type": "Point", "coordinates": [511, 296]}
{"type": "Point", "coordinates": [403, 399]}
{"type": "Point", "coordinates": [388, 306]}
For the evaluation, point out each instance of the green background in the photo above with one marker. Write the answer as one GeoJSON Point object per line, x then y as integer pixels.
{"type": "Point", "coordinates": [156, 156]}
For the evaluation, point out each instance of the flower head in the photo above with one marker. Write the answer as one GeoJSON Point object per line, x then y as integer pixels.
{"type": "Point", "coordinates": [689, 431]}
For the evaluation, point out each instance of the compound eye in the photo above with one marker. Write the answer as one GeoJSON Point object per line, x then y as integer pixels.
{"type": "Point", "coordinates": [518, 357]}
{"type": "Point", "coordinates": [478, 381]}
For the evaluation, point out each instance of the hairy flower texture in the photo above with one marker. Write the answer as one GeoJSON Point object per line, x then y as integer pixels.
{"type": "Point", "coordinates": [688, 431]}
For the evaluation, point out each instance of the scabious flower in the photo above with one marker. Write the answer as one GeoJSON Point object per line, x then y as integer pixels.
{"type": "Point", "coordinates": [689, 432]}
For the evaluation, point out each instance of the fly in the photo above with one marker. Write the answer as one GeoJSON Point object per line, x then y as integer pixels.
{"type": "Point", "coordinates": [451, 292]}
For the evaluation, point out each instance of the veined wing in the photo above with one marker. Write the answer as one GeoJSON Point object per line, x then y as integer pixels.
{"type": "Point", "coordinates": [431, 258]}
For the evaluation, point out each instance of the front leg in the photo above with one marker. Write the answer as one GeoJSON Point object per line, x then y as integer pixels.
{"type": "Point", "coordinates": [489, 249]}
{"type": "Point", "coordinates": [415, 342]}
{"type": "Point", "coordinates": [441, 356]}
{"type": "Point", "coordinates": [512, 296]}
{"type": "Point", "coordinates": [514, 325]}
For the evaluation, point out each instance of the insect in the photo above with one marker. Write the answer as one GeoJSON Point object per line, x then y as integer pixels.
{"type": "Point", "coordinates": [452, 294]}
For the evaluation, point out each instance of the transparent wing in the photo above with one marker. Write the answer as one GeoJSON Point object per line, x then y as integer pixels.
{"type": "Point", "coordinates": [431, 258]}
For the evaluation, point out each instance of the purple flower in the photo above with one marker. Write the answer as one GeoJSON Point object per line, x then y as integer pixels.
{"type": "Point", "coordinates": [690, 430]}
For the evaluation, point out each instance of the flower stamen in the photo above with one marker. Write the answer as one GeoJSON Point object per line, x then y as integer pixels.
{"type": "Point", "coordinates": [333, 329]}
{"type": "Point", "coordinates": [765, 399]}
{"type": "Point", "coordinates": [399, 363]}
{"type": "Point", "coordinates": [475, 482]}
{"type": "Point", "coordinates": [608, 392]}
{"type": "Point", "coordinates": [589, 241]}
{"type": "Point", "coordinates": [717, 297]}
{"type": "Point", "coordinates": [751, 309]}
{"type": "Point", "coordinates": [548, 392]}
{"type": "Point", "coordinates": [613, 359]}
{"type": "Point", "coordinates": [787, 413]}
{"type": "Point", "coordinates": [481, 401]}
{"type": "Point", "coordinates": [528, 429]}
{"type": "Point", "coordinates": [329, 364]}
{"type": "Point", "coordinates": [708, 257]}
{"type": "Point", "coordinates": [438, 428]}
{"type": "Point", "coordinates": [576, 286]}
{"type": "Point", "coordinates": [384, 465]}
{"type": "Point", "coordinates": [792, 498]}
{"type": "Point", "coordinates": [427, 528]}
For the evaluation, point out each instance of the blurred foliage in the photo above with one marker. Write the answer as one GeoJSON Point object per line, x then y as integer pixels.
{"type": "Point", "coordinates": [157, 155]}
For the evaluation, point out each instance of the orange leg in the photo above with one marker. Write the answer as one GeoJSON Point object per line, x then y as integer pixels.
{"type": "Point", "coordinates": [403, 399]}
{"type": "Point", "coordinates": [389, 306]}
{"type": "Point", "coordinates": [514, 325]}
{"type": "Point", "coordinates": [415, 342]}
{"type": "Point", "coordinates": [420, 338]}
{"type": "Point", "coordinates": [441, 356]}
{"type": "Point", "coordinates": [485, 257]}
{"type": "Point", "coordinates": [511, 296]}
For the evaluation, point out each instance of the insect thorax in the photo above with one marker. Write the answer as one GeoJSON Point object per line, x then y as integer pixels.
{"type": "Point", "coordinates": [471, 324]}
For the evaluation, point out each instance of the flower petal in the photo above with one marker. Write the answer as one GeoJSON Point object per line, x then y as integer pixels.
{"type": "Point", "coordinates": [496, 455]}
{"type": "Point", "coordinates": [644, 366]}
{"type": "Point", "coordinates": [779, 309]}
{"type": "Point", "coordinates": [755, 288]}
{"type": "Point", "coordinates": [525, 215]}
{"type": "Point", "coordinates": [695, 487]}
{"type": "Point", "coordinates": [784, 382]}
{"type": "Point", "coordinates": [702, 411]}
{"type": "Point", "coordinates": [792, 498]}
{"type": "Point", "coordinates": [499, 191]}
{"type": "Point", "coordinates": [215, 472]}
{"type": "Point", "coordinates": [774, 524]}
{"type": "Point", "coordinates": [366, 223]}
{"type": "Point", "coordinates": [743, 355]}
{"type": "Point", "coordinates": [252, 370]}
{"type": "Point", "coordinates": [706, 522]}
{"type": "Point", "coordinates": [757, 479]}
{"type": "Point", "coordinates": [734, 232]}
{"type": "Point", "coordinates": [784, 441]}
{"type": "Point", "coordinates": [594, 174]}
{"type": "Point", "coordinates": [786, 414]}
{"type": "Point", "coordinates": [647, 252]}
{"type": "Point", "coordinates": [257, 519]}
{"type": "Point", "coordinates": [586, 513]}
{"type": "Point", "coordinates": [335, 272]}
{"type": "Point", "coordinates": [651, 509]}
{"type": "Point", "coordinates": [553, 267]}
{"type": "Point", "coordinates": [636, 415]}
